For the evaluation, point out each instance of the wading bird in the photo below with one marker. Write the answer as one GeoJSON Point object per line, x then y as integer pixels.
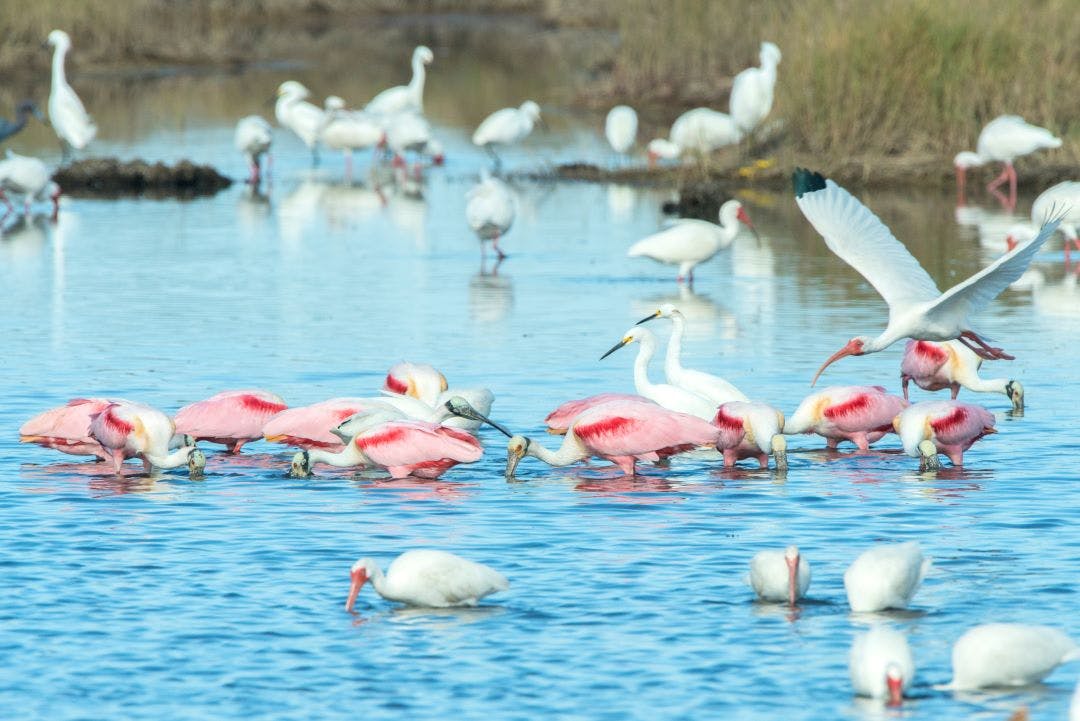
{"type": "Point", "coordinates": [407, 132]}
{"type": "Point", "coordinates": [690, 241]}
{"type": "Point", "coordinates": [1002, 140]}
{"type": "Point", "coordinates": [432, 579]}
{"type": "Point", "coordinates": [303, 118]}
{"type": "Point", "coordinates": [752, 90]}
{"type": "Point", "coordinates": [1008, 654]}
{"type": "Point", "coordinates": [67, 428]}
{"type": "Point", "coordinates": [917, 309]}
{"type": "Point", "coordinates": [860, 414]}
{"type": "Point", "coordinates": [22, 111]}
{"type": "Point", "coordinates": [28, 179]}
{"type": "Point", "coordinates": [126, 429]}
{"type": "Point", "coordinates": [1062, 200]}
{"type": "Point", "coordinates": [419, 380]}
{"type": "Point", "coordinates": [881, 665]}
{"type": "Point", "coordinates": [698, 131]}
{"type": "Point", "coordinates": [73, 125]}
{"type": "Point", "coordinates": [751, 429]}
{"type": "Point", "coordinates": [252, 138]}
{"type": "Point", "coordinates": [559, 420]}
{"type": "Point", "coordinates": [885, 576]}
{"type": "Point", "coordinates": [936, 366]}
{"type": "Point", "coordinates": [506, 126]}
{"type": "Point", "coordinates": [405, 98]}
{"type": "Point", "coordinates": [620, 128]}
{"type": "Point", "coordinates": [490, 211]}
{"type": "Point", "coordinates": [231, 418]}
{"type": "Point", "coordinates": [948, 427]}
{"type": "Point", "coordinates": [780, 575]}
{"type": "Point", "coordinates": [349, 130]}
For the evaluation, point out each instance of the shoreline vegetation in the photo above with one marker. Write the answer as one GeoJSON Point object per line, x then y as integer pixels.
{"type": "Point", "coordinates": [876, 93]}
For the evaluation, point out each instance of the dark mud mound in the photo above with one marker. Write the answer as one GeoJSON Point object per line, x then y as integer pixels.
{"type": "Point", "coordinates": [110, 177]}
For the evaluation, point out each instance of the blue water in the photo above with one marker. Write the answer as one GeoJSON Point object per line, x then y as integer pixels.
{"type": "Point", "coordinates": [161, 597]}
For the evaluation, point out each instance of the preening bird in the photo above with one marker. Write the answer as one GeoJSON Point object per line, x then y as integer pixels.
{"type": "Point", "coordinates": [881, 665]}
{"type": "Point", "coordinates": [885, 576]}
{"type": "Point", "coordinates": [405, 98]}
{"type": "Point", "coordinates": [253, 137]}
{"type": "Point", "coordinates": [432, 579]}
{"type": "Point", "coordinates": [752, 90]}
{"type": "Point", "coordinates": [936, 366]}
{"type": "Point", "coordinates": [73, 125]}
{"type": "Point", "coordinates": [917, 309]}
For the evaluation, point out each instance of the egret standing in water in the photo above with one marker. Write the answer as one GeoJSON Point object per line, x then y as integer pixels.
{"type": "Point", "coordinates": [404, 98]}
{"type": "Point", "coordinates": [507, 126]}
{"type": "Point", "coordinates": [73, 125]}
{"type": "Point", "coordinates": [620, 128]}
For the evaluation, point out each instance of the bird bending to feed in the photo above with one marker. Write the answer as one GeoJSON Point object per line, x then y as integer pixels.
{"type": "Point", "coordinates": [620, 128]}
{"type": "Point", "coordinates": [1002, 140]}
{"type": "Point", "coordinates": [559, 420]}
{"type": "Point", "coordinates": [690, 241]}
{"type": "Point", "coordinates": [935, 366]}
{"type": "Point", "coordinates": [1062, 199]}
{"type": "Point", "coordinates": [252, 138]}
{"type": "Point", "coordinates": [885, 576]}
{"type": "Point", "coordinates": [698, 131]}
{"type": "Point", "coordinates": [350, 130]}
{"type": "Point", "coordinates": [73, 125]}
{"type": "Point", "coordinates": [22, 112]}
{"type": "Point", "coordinates": [67, 428]}
{"type": "Point", "coordinates": [126, 429]}
{"type": "Point", "coordinates": [506, 127]}
{"type": "Point", "coordinates": [432, 579]}
{"type": "Point", "coordinates": [405, 98]}
{"type": "Point", "coordinates": [881, 665]}
{"type": "Point", "coordinates": [489, 210]}
{"type": "Point", "coordinates": [751, 429]}
{"type": "Point", "coordinates": [948, 427]}
{"type": "Point", "coordinates": [622, 432]}
{"type": "Point", "coordinates": [917, 309]}
{"type": "Point", "coordinates": [29, 179]}
{"type": "Point", "coordinates": [780, 575]}
{"type": "Point", "coordinates": [710, 387]}
{"type": "Point", "coordinates": [303, 118]}
{"type": "Point", "coordinates": [407, 132]}
{"type": "Point", "coordinates": [419, 380]}
{"type": "Point", "coordinates": [752, 90]}
{"type": "Point", "coordinates": [1008, 654]}
{"type": "Point", "coordinates": [860, 414]}
{"type": "Point", "coordinates": [669, 396]}
{"type": "Point", "coordinates": [231, 418]}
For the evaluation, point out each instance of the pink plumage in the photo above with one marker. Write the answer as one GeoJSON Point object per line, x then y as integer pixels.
{"type": "Point", "coordinates": [310, 426]}
{"type": "Point", "coordinates": [860, 414]}
{"type": "Point", "coordinates": [67, 428]}
{"type": "Point", "coordinates": [749, 429]}
{"type": "Point", "coordinates": [417, 448]}
{"type": "Point", "coordinates": [952, 426]}
{"type": "Point", "coordinates": [127, 429]}
{"type": "Point", "coordinates": [418, 380]}
{"type": "Point", "coordinates": [559, 420]}
{"type": "Point", "coordinates": [231, 418]}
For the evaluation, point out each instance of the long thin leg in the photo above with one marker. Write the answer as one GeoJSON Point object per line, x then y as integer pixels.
{"type": "Point", "coordinates": [982, 348]}
{"type": "Point", "coordinates": [498, 251]}
{"type": "Point", "coordinates": [999, 179]}
{"type": "Point", "coordinates": [904, 380]}
{"type": "Point", "coordinates": [494, 156]}
{"type": "Point", "coordinates": [1012, 185]}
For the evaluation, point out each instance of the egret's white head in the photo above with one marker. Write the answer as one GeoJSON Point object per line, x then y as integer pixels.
{"type": "Point", "coordinates": [769, 54]}
{"type": "Point", "coordinates": [294, 89]}
{"type": "Point", "coordinates": [666, 310]}
{"type": "Point", "coordinates": [637, 333]}
{"type": "Point", "coordinates": [531, 109]}
{"type": "Point", "coordinates": [334, 102]}
{"type": "Point", "coordinates": [423, 54]}
{"type": "Point", "coordinates": [359, 574]}
{"type": "Point", "coordinates": [855, 346]}
{"type": "Point", "coordinates": [59, 39]}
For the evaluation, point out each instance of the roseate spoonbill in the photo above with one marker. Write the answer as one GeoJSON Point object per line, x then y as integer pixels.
{"type": "Point", "coordinates": [490, 210]}
{"type": "Point", "coordinates": [711, 387]}
{"type": "Point", "coordinates": [559, 420]}
{"type": "Point", "coordinates": [506, 126]}
{"type": "Point", "coordinates": [881, 665]}
{"type": "Point", "coordinates": [701, 130]}
{"type": "Point", "coordinates": [917, 309]}
{"type": "Point", "coordinates": [948, 427]}
{"type": "Point", "coordinates": [231, 418]}
{"type": "Point", "coordinates": [620, 128]}
{"type": "Point", "coordinates": [780, 575]}
{"type": "Point", "coordinates": [622, 432]}
{"type": "Point", "coordinates": [1008, 654]}
{"type": "Point", "coordinates": [1061, 200]}
{"type": "Point", "coordinates": [885, 576]}
{"type": "Point", "coordinates": [303, 118]}
{"type": "Point", "coordinates": [67, 428]}
{"type": "Point", "coordinates": [433, 579]}
{"type": "Point", "coordinates": [252, 138]}
{"type": "Point", "coordinates": [860, 414]}
{"type": "Point", "coordinates": [22, 111]}
{"type": "Point", "coordinates": [405, 98]}
{"type": "Point", "coordinates": [126, 429]}
{"type": "Point", "coordinates": [418, 380]}
{"type": "Point", "coordinates": [671, 397]}
{"type": "Point", "coordinates": [934, 366]}
{"type": "Point", "coordinates": [349, 130]}
{"type": "Point", "coordinates": [1002, 140]}
{"type": "Point", "coordinates": [74, 127]}
{"type": "Point", "coordinates": [752, 90]}
{"type": "Point", "coordinates": [751, 429]}
{"type": "Point", "coordinates": [28, 178]}
{"type": "Point", "coordinates": [690, 241]}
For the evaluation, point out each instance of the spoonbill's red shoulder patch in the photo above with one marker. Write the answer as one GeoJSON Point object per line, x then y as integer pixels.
{"type": "Point", "coordinates": [390, 435]}
{"type": "Point", "coordinates": [261, 405]}
{"type": "Point", "coordinates": [727, 422]}
{"type": "Point", "coordinates": [604, 426]}
{"type": "Point", "coordinates": [394, 385]}
{"type": "Point", "coordinates": [857, 404]}
{"type": "Point", "coordinates": [930, 351]}
{"type": "Point", "coordinates": [949, 422]}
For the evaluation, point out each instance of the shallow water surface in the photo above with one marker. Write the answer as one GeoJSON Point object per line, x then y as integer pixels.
{"type": "Point", "coordinates": [152, 597]}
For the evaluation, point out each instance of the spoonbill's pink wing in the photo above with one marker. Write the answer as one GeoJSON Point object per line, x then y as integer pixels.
{"type": "Point", "coordinates": [560, 419]}
{"type": "Point", "coordinates": [923, 358]}
{"type": "Point", "coordinates": [310, 426]}
{"type": "Point", "coordinates": [863, 241]}
{"type": "Point", "coordinates": [630, 428]}
{"type": "Point", "coordinates": [112, 427]}
{"type": "Point", "coordinates": [962, 424]}
{"type": "Point", "coordinates": [865, 409]}
{"type": "Point", "coordinates": [231, 414]}
{"type": "Point", "coordinates": [71, 421]}
{"type": "Point", "coordinates": [406, 443]}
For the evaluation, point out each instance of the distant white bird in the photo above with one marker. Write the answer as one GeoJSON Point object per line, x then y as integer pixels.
{"type": "Point", "coordinates": [433, 579]}
{"type": "Point", "coordinates": [752, 90]}
{"type": "Point", "coordinates": [506, 127]}
{"type": "Point", "coordinates": [711, 387]}
{"type": "Point", "coordinates": [349, 130]}
{"type": "Point", "coordinates": [620, 128]}
{"type": "Point", "coordinates": [1002, 140]}
{"type": "Point", "coordinates": [700, 130]}
{"type": "Point", "coordinates": [404, 98]}
{"type": "Point", "coordinates": [411, 132]}
{"type": "Point", "coordinates": [885, 576]}
{"type": "Point", "coordinates": [253, 137]}
{"type": "Point", "coordinates": [295, 113]}
{"type": "Point", "coordinates": [690, 241]}
{"type": "Point", "coordinates": [73, 125]}
{"type": "Point", "coordinates": [917, 309]}
{"type": "Point", "coordinates": [1008, 654]}
{"type": "Point", "coordinates": [1058, 201]}
{"type": "Point", "coordinates": [780, 575]}
{"type": "Point", "coordinates": [671, 397]}
{"type": "Point", "coordinates": [29, 179]}
{"type": "Point", "coordinates": [490, 210]}
{"type": "Point", "coordinates": [881, 665]}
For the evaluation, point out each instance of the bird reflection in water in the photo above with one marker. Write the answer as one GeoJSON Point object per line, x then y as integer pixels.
{"type": "Point", "coordinates": [24, 237]}
{"type": "Point", "coordinates": [491, 296]}
{"type": "Point", "coordinates": [704, 317]}
{"type": "Point", "coordinates": [416, 489]}
{"type": "Point", "coordinates": [430, 618]}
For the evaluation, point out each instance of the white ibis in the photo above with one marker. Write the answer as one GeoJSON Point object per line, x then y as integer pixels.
{"type": "Point", "coordinates": [1061, 200]}
{"type": "Point", "coordinates": [1002, 140]}
{"type": "Point", "coordinates": [700, 131]}
{"type": "Point", "coordinates": [917, 309]}
{"type": "Point", "coordinates": [349, 130]}
{"type": "Point", "coordinates": [780, 575]}
{"type": "Point", "coordinates": [431, 579]}
{"type": "Point", "coordinates": [885, 576]}
{"type": "Point", "coordinates": [405, 98]}
{"type": "Point", "coordinates": [881, 665]}
{"type": "Point", "coordinates": [73, 125]}
{"type": "Point", "coordinates": [752, 90]}
{"type": "Point", "coordinates": [1008, 654]}
{"type": "Point", "coordinates": [29, 179]}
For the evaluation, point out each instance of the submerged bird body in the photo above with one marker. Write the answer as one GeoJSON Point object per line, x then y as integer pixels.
{"type": "Point", "coordinates": [885, 576]}
{"type": "Point", "coordinates": [780, 575]}
{"type": "Point", "coordinates": [881, 665]}
{"type": "Point", "coordinates": [860, 414]}
{"type": "Point", "coordinates": [689, 242]}
{"type": "Point", "coordinates": [432, 579]}
{"type": "Point", "coordinates": [752, 90]}
{"type": "Point", "coordinates": [1008, 654]}
{"type": "Point", "coordinates": [949, 427]}
{"type": "Point", "coordinates": [936, 366]}
{"type": "Point", "coordinates": [73, 125]}
{"type": "Point", "coordinates": [751, 429]}
{"type": "Point", "coordinates": [231, 418]}
{"type": "Point", "coordinates": [252, 138]}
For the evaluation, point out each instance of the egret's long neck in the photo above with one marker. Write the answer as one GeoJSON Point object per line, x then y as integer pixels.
{"type": "Point", "coordinates": [570, 451]}
{"type": "Point", "coordinates": [641, 365]}
{"type": "Point", "coordinates": [416, 85]}
{"type": "Point", "coordinates": [172, 460]}
{"type": "Point", "coordinates": [673, 360]}
{"type": "Point", "coordinates": [349, 456]}
{"type": "Point", "coordinates": [58, 77]}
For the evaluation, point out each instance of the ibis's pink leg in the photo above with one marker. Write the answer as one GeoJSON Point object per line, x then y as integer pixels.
{"type": "Point", "coordinates": [999, 179]}
{"type": "Point", "coordinates": [1012, 185]}
{"type": "Point", "coordinates": [7, 201]}
{"type": "Point", "coordinates": [495, 244]}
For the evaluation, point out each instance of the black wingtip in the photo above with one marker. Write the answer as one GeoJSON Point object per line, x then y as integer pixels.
{"type": "Point", "coordinates": [806, 181]}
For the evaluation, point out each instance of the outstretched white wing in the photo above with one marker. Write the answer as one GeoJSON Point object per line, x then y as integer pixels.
{"type": "Point", "coordinates": [863, 242]}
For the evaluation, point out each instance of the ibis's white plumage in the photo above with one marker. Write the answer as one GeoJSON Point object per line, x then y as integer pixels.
{"type": "Point", "coordinates": [885, 576]}
{"type": "Point", "coordinates": [489, 207]}
{"type": "Point", "coordinates": [434, 579]}
{"type": "Point", "coordinates": [253, 137]}
{"type": "Point", "coordinates": [1009, 654]}
{"type": "Point", "coordinates": [1007, 137]}
{"type": "Point", "coordinates": [877, 654]}
{"type": "Point", "coordinates": [770, 576]}
{"type": "Point", "coordinates": [620, 128]}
